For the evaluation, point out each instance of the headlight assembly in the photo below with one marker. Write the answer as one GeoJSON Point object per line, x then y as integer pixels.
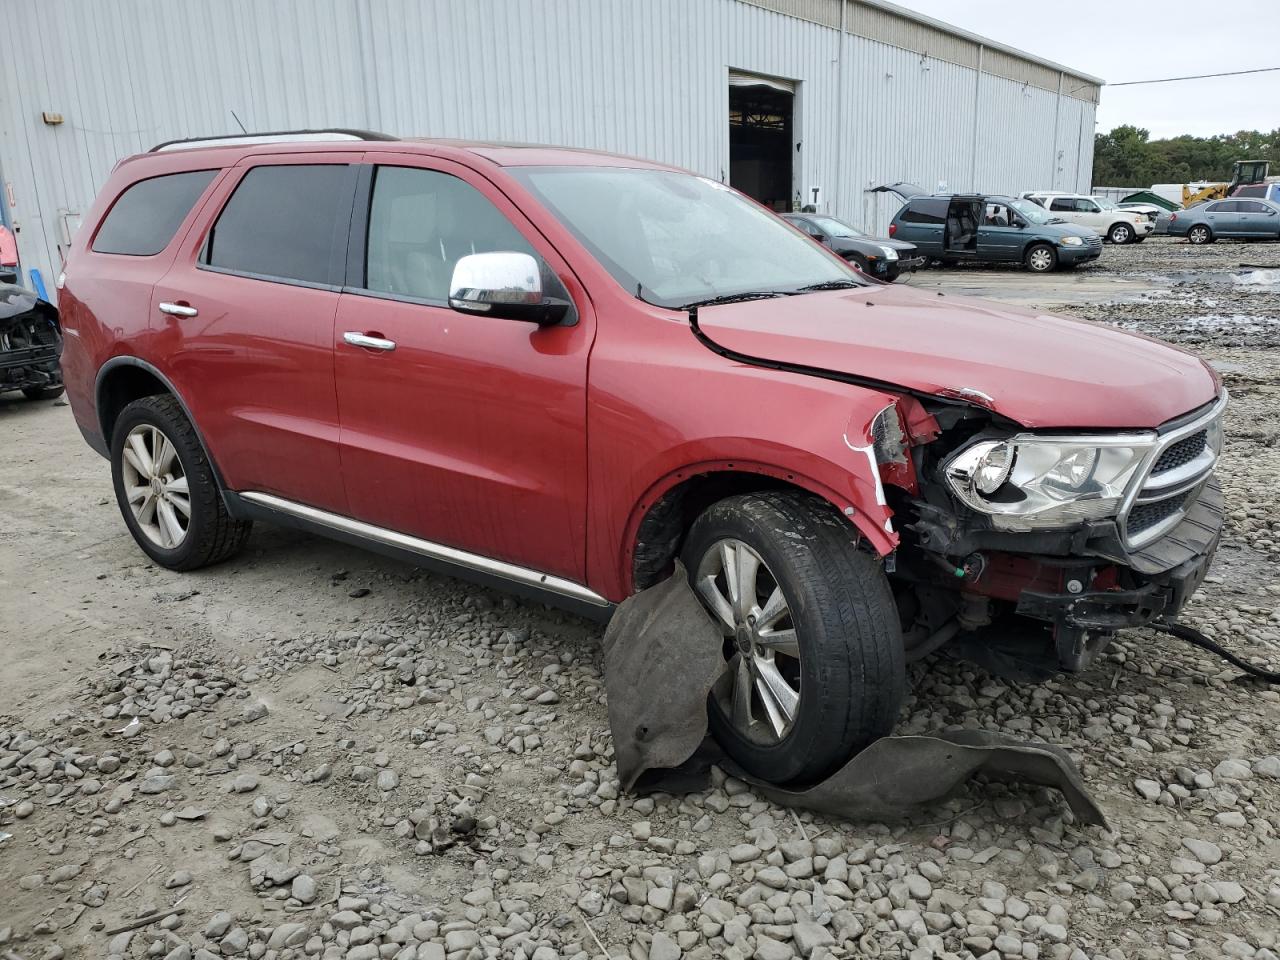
{"type": "Point", "coordinates": [1071, 242]}
{"type": "Point", "coordinates": [890, 253]}
{"type": "Point", "coordinates": [1032, 483]}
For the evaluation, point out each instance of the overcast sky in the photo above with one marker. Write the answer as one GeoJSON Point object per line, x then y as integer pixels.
{"type": "Point", "coordinates": [1121, 40]}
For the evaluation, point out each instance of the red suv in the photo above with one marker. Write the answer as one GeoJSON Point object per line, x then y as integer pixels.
{"type": "Point", "coordinates": [559, 371]}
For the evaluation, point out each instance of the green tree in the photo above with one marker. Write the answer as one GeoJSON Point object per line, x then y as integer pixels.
{"type": "Point", "coordinates": [1128, 157]}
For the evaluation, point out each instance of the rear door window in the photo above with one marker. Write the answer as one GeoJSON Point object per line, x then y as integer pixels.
{"type": "Point", "coordinates": [1063, 204]}
{"type": "Point", "coordinates": [281, 222]}
{"type": "Point", "coordinates": [147, 215]}
{"type": "Point", "coordinates": [932, 210]}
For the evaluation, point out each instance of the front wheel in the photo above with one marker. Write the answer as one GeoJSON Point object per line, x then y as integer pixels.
{"type": "Point", "coordinates": [1041, 258]}
{"type": "Point", "coordinates": [1120, 233]}
{"type": "Point", "coordinates": [166, 488]}
{"type": "Point", "coordinates": [1200, 234]}
{"type": "Point", "coordinates": [812, 643]}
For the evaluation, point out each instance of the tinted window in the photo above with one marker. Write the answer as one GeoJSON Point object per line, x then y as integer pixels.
{"type": "Point", "coordinates": [421, 223]}
{"type": "Point", "coordinates": [1226, 206]}
{"type": "Point", "coordinates": [1250, 206]}
{"type": "Point", "coordinates": [1062, 203]}
{"type": "Point", "coordinates": [280, 222]}
{"type": "Point", "coordinates": [926, 211]}
{"type": "Point", "coordinates": [145, 218]}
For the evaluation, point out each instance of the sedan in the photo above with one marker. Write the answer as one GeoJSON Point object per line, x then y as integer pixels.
{"type": "Point", "coordinates": [880, 259]}
{"type": "Point", "coordinates": [1235, 219]}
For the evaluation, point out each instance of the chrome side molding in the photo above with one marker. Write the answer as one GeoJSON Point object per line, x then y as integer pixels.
{"type": "Point", "coordinates": [432, 551]}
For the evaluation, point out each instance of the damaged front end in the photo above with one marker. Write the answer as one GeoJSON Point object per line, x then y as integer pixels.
{"type": "Point", "coordinates": [30, 343]}
{"type": "Point", "coordinates": [1028, 550]}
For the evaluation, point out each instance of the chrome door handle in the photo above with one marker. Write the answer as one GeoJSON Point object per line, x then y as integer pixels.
{"type": "Point", "coordinates": [357, 339]}
{"type": "Point", "coordinates": [178, 310]}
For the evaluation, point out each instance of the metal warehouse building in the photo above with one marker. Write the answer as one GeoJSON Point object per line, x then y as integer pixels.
{"type": "Point", "coordinates": [793, 101]}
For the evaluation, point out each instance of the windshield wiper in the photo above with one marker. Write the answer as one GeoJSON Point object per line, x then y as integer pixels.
{"type": "Point", "coordinates": [733, 298]}
{"type": "Point", "coordinates": [829, 285]}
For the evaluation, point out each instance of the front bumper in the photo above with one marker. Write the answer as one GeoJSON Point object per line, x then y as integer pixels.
{"type": "Point", "coordinates": [1080, 254]}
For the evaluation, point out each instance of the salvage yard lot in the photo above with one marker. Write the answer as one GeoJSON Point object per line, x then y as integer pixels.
{"type": "Point", "coordinates": [417, 767]}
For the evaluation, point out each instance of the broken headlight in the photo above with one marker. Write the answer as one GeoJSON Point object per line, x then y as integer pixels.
{"type": "Point", "coordinates": [1034, 483]}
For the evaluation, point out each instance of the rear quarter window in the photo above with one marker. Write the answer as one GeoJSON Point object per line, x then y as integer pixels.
{"type": "Point", "coordinates": [926, 211]}
{"type": "Point", "coordinates": [145, 217]}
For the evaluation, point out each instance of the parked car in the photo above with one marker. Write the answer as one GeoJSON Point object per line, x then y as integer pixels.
{"type": "Point", "coordinates": [1225, 219]}
{"type": "Point", "coordinates": [979, 228]}
{"type": "Point", "coordinates": [558, 371]}
{"type": "Point", "coordinates": [1097, 213]}
{"type": "Point", "coordinates": [883, 259]}
{"type": "Point", "coordinates": [30, 341]}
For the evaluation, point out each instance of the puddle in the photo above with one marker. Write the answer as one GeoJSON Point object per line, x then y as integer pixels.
{"type": "Point", "coordinates": [1266, 279]}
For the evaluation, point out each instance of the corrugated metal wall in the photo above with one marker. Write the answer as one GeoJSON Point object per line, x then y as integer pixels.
{"type": "Point", "coordinates": [645, 77]}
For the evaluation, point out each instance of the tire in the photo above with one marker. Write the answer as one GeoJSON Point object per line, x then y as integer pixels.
{"type": "Point", "coordinates": [210, 534]}
{"type": "Point", "coordinates": [846, 665]}
{"type": "Point", "coordinates": [1138, 239]}
{"type": "Point", "coordinates": [43, 393]}
{"type": "Point", "coordinates": [1199, 234]}
{"type": "Point", "coordinates": [860, 262]}
{"type": "Point", "coordinates": [1120, 234]}
{"type": "Point", "coordinates": [1041, 258]}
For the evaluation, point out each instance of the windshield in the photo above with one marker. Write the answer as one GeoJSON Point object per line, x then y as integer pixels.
{"type": "Point", "coordinates": [1105, 204]}
{"type": "Point", "coordinates": [1032, 212]}
{"type": "Point", "coordinates": [675, 239]}
{"type": "Point", "coordinates": [835, 228]}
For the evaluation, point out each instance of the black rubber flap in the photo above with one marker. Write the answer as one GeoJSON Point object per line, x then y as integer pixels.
{"type": "Point", "coordinates": [662, 655]}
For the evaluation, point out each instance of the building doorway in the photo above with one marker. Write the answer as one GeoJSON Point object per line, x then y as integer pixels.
{"type": "Point", "coordinates": [761, 146]}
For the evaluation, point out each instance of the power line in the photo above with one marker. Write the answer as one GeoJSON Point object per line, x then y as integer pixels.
{"type": "Point", "coordinates": [1199, 76]}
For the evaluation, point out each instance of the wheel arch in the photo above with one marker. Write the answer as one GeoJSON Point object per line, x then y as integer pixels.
{"type": "Point", "coordinates": [124, 379]}
{"type": "Point", "coordinates": [660, 520]}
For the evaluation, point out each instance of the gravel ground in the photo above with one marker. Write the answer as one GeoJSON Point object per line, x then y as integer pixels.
{"type": "Point", "coordinates": [311, 751]}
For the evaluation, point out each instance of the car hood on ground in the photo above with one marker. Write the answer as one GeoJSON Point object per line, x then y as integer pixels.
{"type": "Point", "coordinates": [1040, 370]}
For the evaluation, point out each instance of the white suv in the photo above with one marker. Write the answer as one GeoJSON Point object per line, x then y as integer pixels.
{"type": "Point", "coordinates": [1096, 213]}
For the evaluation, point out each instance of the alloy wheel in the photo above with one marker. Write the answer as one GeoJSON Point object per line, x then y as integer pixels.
{"type": "Point", "coordinates": [762, 698]}
{"type": "Point", "coordinates": [156, 486]}
{"type": "Point", "coordinates": [1199, 235]}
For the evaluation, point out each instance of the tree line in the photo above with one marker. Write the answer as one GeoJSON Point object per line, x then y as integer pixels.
{"type": "Point", "coordinates": [1128, 157]}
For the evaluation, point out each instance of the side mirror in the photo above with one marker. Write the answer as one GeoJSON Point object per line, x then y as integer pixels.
{"type": "Point", "coordinates": [1019, 223]}
{"type": "Point", "coordinates": [504, 284]}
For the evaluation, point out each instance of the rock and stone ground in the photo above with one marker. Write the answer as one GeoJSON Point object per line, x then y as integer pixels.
{"type": "Point", "coordinates": [314, 752]}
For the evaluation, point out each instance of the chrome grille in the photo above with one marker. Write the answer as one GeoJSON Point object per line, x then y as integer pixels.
{"type": "Point", "coordinates": [1178, 467]}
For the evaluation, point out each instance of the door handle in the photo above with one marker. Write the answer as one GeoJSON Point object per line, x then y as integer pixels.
{"type": "Point", "coordinates": [178, 310]}
{"type": "Point", "coordinates": [357, 339]}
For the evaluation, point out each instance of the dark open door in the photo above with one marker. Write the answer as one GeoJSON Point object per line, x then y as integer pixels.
{"type": "Point", "coordinates": [760, 139]}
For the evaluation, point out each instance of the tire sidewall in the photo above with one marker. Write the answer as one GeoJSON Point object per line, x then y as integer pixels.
{"type": "Point", "coordinates": [1199, 230]}
{"type": "Point", "coordinates": [193, 465]}
{"type": "Point", "coordinates": [1121, 233]}
{"type": "Point", "coordinates": [785, 759]}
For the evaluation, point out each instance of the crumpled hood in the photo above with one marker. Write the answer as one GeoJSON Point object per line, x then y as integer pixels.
{"type": "Point", "coordinates": [1041, 370]}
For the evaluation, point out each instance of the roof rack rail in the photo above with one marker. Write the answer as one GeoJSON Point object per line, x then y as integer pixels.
{"type": "Point", "coordinates": [273, 136]}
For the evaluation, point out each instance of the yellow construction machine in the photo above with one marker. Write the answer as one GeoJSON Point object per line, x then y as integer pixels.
{"type": "Point", "coordinates": [1243, 172]}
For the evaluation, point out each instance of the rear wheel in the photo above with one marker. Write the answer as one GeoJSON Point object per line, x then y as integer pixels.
{"type": "Point", "coordinates": [812, 642]}
{"type": "Point", "coordinates": [43, 393]}
{"type": "Point", "coordinates": [1200, 234]}
{"type": "Point", "coordinates": [1120, 233]}
{"type": "Point", "coordinates": [166, 488]}
{"type": "Point", "coordinates": [1041, 258]}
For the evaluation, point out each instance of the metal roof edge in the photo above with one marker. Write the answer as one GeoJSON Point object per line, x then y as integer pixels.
{"type": "Point", "coordinates": [945, 27]}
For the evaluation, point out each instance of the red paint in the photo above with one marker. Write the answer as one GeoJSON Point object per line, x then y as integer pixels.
{"type": "Point", "coordinates": [546, 447]}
